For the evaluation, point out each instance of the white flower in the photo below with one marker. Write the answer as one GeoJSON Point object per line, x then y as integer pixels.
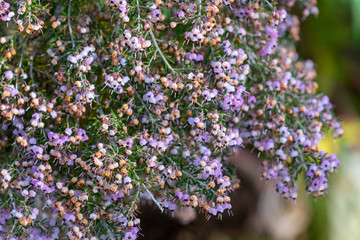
{"type": "Point", "coordinates": [72, 59]}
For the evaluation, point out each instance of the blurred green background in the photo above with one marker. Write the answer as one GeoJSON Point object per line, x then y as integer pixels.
{"type": "Point", "coordinates": [332, 41]}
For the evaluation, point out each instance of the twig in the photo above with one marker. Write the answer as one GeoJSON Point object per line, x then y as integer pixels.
{"type": "Point", "coordinates": [159, 50]}
{"type": "Point", "coordinates": [98, 100]}
{"type": "Point", "coordinates": [21, 59]}
{"type": "Point", "coordinates": [115, 28]}
{"type": "Point", "coordinates": [300, 155]}
{"type": "Point", "coordinates": [196, 180]}
{"type": "Point", "coordinates": [252, 60]}
{"type": "Point", "coordinates": [199, 14]}
{"type": "Point", "coordinates": [193, 178]}
{"type": "Point", "coordinates": [268, 3]}
{"type": "Point", "coordinates": [69, 25]}
{"type": "Point", "coordinates": [152, 197]}
{"type": "Point", "coordinates": [2, 63]}
{"type": "Point", "coordinates": [150, 194]}
{"type": "Point", "coordinates": [45, 73]}
{"type": "Point", "coordinates": [298, 169]}
{"type": "Point", "coordinates": [147, 110]}
{"type": "Point", "coordinates": [138, 9]}
{"type": "Point", "coordinates": [302, 164]}
{"type": "Point", "coordinates": [111, 235]}
{"type": "Point", "coordinates": [12, 199]}
{"type": "Point", "coordinates": [32, 67]}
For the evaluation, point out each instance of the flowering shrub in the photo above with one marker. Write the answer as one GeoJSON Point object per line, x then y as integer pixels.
{"type": "Point", "coordinates": [104, 103]}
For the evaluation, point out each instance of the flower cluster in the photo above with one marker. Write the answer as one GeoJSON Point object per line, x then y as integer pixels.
{"type": "Point", "coordinates": [316, 175]}
{"type": "Point", "coordinates": [132, 100]}
{"type": "Point", "coordinates": [5, 13]}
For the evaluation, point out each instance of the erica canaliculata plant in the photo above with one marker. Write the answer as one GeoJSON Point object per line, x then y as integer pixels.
{"type": "Point", "coordinates": [104, 103]}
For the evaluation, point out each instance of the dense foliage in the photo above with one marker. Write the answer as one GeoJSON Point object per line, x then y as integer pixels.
{"type": "Point", "coordinates": [104, 103]}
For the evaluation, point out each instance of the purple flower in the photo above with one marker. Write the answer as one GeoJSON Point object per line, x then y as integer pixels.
{"type": "Point", "coordinates": [69, 217]}
{"type": "Point", "coordinates": [199, 58]}
{"type": "Point", "coordinates": [179, 194]}
{"type": "Point", "coordinates": [68, 131]}
{"type": "Point", "coordinates": [143, 142]}
{"type": "Point", "coordinates": [180, 14]}
{"type": "Point", "coordinates": [9, 75]}
{"type": "Point", "coordinates": [129, 142]}
{"type": "Point", "coordinates": [272, 32]}
{"type": "Point", "coordinates": [156, 13]}
{"type": "Point", "coordinates": [37, 149]}
{"type": "Point", "coordinates": [213, 211]}
{"type": "Point", "coordinates": [191, 121]}
{"type": "Point", "coordinates": [83, 135]}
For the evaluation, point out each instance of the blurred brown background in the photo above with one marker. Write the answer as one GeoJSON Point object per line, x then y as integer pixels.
{"type": "Point", "coordinates": [332, 41]}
